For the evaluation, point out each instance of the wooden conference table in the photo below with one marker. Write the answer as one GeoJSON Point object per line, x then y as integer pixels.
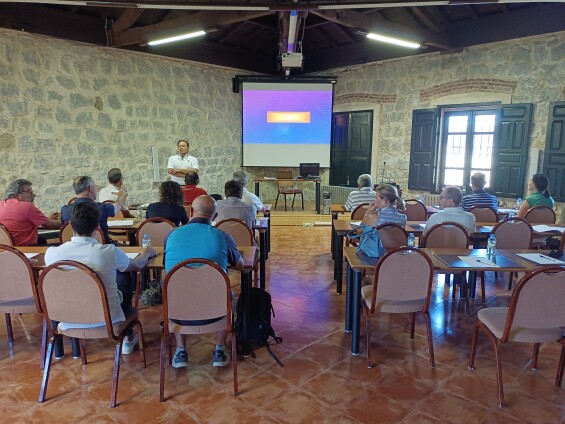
{"type": "Point", "coordinates": [444, 260]}
{"type": "Point", "coordinates": [318, 182]}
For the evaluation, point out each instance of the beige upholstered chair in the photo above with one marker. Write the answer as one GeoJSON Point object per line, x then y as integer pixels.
{"type": "Point", "coordinates": [402, 284]}
{"type": "Point", "coordinates": [513, 233]}
{"type": "Point", "coordinates": [71, 292]}
{"type": "Point", "coordinates": [415, 210]}
{"type": "Point", "coordinates": [287, 188]}
{"type": "Point", "coordinates": [484, 214]}
{"type": "Point", "coordinates": [66, 232]}
{"type": "Point", "coordinates": [157, 228]}
{"type": "Point", "coordinates": [18, 292]}
{"type": "Point", "coordinates": [5, 236]}
{"type": "Point", "coordinates": [535, 315]}
{"type": "Point", "coordinates": [71, 200]}
{"type": "Point", "coordinates": [540, 215]}
{"type": "Point", "coordinates": [243, 236]}
{"type": "Point", "coordinates": [196, 289]}
{"type": "Point", "coordinates": [359, 212]}
{"type": "Point", "coordinates": [392, 236]}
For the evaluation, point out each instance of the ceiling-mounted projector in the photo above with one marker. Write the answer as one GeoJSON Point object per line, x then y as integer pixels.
{"type": "Point", "coordinates": [291, 60]}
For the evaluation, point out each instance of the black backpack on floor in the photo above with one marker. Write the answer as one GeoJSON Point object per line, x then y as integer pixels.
{"type": "Point", "coordinates": [259, 326]}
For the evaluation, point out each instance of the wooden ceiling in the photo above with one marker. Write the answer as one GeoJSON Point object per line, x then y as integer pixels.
{"type": "Point", "coordinates": [252, 34]}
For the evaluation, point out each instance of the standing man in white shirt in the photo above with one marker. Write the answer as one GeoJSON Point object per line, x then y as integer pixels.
{"type": "Point", "coordinates": [181, 163]}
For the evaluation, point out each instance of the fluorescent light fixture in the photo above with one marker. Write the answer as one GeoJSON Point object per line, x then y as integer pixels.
{"type": "Point", "coordinates": [393, 41]}
{"type": "Point", "coordinates": [176, 38]}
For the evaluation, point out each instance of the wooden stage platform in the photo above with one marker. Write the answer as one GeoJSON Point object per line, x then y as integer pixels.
{"type": "Point", "coordinates": [298, 217]}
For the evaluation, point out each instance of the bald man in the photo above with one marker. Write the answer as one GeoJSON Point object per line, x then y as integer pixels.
{"type": "Point", "coordinates": [205, 242]}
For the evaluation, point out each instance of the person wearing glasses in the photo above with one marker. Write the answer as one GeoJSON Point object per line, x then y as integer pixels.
{"type": "Point", "coordinates": [21, 217]}
{"type": "Point", "coordinates": [179, 164]}
{"type": "Point", "coordinates": [449, 201]}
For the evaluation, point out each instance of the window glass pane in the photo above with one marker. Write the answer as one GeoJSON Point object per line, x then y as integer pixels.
{"type": "Point", "coordinates": [487, 176]}
{"type": "Point", "coordinates": [453, 177]}
{"type": "Point", "coordinates": [484, 123]}
{"type": "Point", "coordinates": [482, 151]}
{"type": "Point", "coordinates": [455, 151]}
{"type": "Point", "coordinates": [457, 124]}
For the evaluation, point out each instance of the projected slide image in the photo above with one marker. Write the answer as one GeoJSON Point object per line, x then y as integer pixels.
{"type": "Point", "coordinates": [287, 117]}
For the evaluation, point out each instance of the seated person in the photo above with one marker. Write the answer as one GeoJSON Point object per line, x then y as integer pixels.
{"type": "Point", "coordinates": [248, 197]}
{"type": "Point", "coordinates": [169, 205]}
{"type": "Point", "coordinates": [364, 193]}
{"type": "Point", "coordinates": [449, 201]}
{"type": "Point", "coordinates": [479, 197]}
{"type": "Point", "coordinates": [209, 243]}
{"type": "Point", "coordinates": [234, 207]}
{"type": "Point", "coordinates": [190, 190]}
{"type": "Point", "coordinates": [105, 260]}
{"type": "Point", "coordinates": [385, 208]}
{"type": "Point", "coordinates": [21, 217]}
{"type": "Point", "coordinates": [540, 195]}
{"type": "Point", "coordinates": [110, 192]}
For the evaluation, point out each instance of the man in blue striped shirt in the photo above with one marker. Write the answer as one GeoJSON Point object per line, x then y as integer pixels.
{"type": "Point", "coordinates": [364, 194]}
{"type": "Point", "coordinates": [479, 197]}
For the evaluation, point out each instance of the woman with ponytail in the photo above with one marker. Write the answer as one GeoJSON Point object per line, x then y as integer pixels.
{"type": "Point", "coordinates": [387, 205]}
{"type": "Point", "coordinates": [540, 195]}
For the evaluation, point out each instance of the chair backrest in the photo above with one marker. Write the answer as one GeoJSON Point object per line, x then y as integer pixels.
{"type": "Point", "coordinates": [359, 212]}
{"type": "Point", "coordinates": [513, 233]}
{"type": "Point", "coordinates": [157, 228]}
{"type": "Point", "coordinates": [71, 200]}
{"type": "Point", "coordinates": [120, 214]}
{"type": "Point", "coordinates": [16, 279]}
{"type": "Point", "coordinates": [66, 232]}
{"type": "Point", "coordinates": [446, 234]}
{"type": "Point", "coordinates": [562, 244]}
{"type": "Point", "coordinates": [5, 236]}
{"type": "Point", "coordinates": [392, 236]}
{"type": "Point", "coordinates": [284, 173]}
{"type": "Point", "coordinates": [537, 300]}
{"type": "Point", "coordinates": [241, 233]}
{"type": "Point", "coordinates": [540, 215]}
{"type": "Point", "coordinates": [72, 292]}
{"type": "Point", "coordinates": [415, 210]}
{"type": "Point", "coordinates": [196, 289]}
{"type": "Point", "coordinates": [403, 274]}
{"type": "Point", "coordinates": [484, 214]}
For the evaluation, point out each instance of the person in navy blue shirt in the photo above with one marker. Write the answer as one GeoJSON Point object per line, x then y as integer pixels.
{"type": "Point", "coordinates": [479, 197]}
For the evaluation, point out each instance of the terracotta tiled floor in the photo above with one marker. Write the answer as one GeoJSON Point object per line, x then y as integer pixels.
{"type": "Point", "coordinates": [320, 383]}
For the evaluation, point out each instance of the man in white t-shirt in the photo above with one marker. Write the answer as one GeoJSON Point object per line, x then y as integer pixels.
{"type": "Point", "coordinates": [110, 192]}
{"type": "Point", "coordinates": [248, 197]}
{"type": "Point", "coordinates": [105, 260]}
{"type": "Point", "coordinates": [181, 163]}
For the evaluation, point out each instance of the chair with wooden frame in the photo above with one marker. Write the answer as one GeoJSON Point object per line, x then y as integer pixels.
{"type": "Point", "coordinates": [71, 292]}
{"type": "Point", "coordinates": [66, 232]}
{"type": "Point", "coordinates": [540, 215]}
{"type": "Point", "coordinates": [5, 236]}
{"type": "Point", "coordinates": [18, 291]}
{"type": "Point", "coordinates": [359, 212]}
{"type": "Point", "coordinates": [286, 188]}
{"type": "Point", "coordinates": [71, 200]}
{"type": "Point", "coordinates": [402, 284]}
{"type": "Point", "coordinates": [243, 236]}
{"type": "Point", "coordinates": [157, 228]}
{"type": "Point", "coordinates": [392, 236]}
{"type": "Point", "coordinates": [484, 214]}
{"type": "Point", "coordinates": [415, 210]}
{"type": "Point", "coordinates": [196, 289]}
{"type": "Point", "coordinates": [535, 315]}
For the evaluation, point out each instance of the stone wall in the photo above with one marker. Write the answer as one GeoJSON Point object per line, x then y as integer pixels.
{"type": "Point", "coordinates": [69, 109]}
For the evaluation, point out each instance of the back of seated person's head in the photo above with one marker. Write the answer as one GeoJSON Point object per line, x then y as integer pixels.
{"type": "Point", "coordinates": [85, 218]}
{"type": "Point", "coordinates": [233, 189]}
{"type": "Point", "coordinates": [204, 207]}
{"type": "Point", "coordinates": [364, 180]}
{"type": "Point", "coordinates": [541, 182]}
{"type": "Point", "coordinates": [170, 192]}
{"type": "Point", "coordinates": [216, 196]}
{"type": "Point", "coordinates": [478, 180]}
{"type": "Point", "coordinates": [81, 184]}
{"type": "Point", "coordinates": [455, 194]}
{"type": "Point", "coordinates": [115, 176]}
{"type": "Point", "coordinates": [240, 177]}
{"type": "Point", "coordinates": [191, 178]}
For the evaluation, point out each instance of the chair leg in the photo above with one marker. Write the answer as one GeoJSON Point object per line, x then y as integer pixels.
{"type": "Point", "coordinates": [535, 355]}
{"type": "Point", "coordinates": [560, 367]}
{"type": "Point", "coordinates": [368, 335]}
{"type": "Point", "coordinates": [277, 201]}
{"type": "Point", "coordinates": [302, 197]}
{"type": "Point", "coordinates": [83, 352]}
{"type": "Point", "coordinates": [474, 346]}
{"type": "Point", "coordinates": [284, 202]}
{"type": "Point", "coordinates": [412, 324]}
{"type": "Point", "coordinates": [46, 370]}
{"type": "Point", "coordinates": [170, 349]}
{"type": "Point", "coordinates": [9, 329]}
{"type": "Point", "coordinates": [234, 363]}
{"type": "Point", "coordinates": [430, 339]}
{"type": "Point", "coordinates": [483, 290]}
{"type": "Point", "coordinates": [499, 381]}
{"type": "Point", "coordinates": [292, 204]}
{"type": "Point", "coordinates": [162, 366]}
{"type": "Point", "coordinates": [116, 375]}
{"type": "Point", "coordinates": [510, 277]}
{"type": "Point", "coordinates": [141, 344]}
{"type": "Point", "coordinates": [43, 345]}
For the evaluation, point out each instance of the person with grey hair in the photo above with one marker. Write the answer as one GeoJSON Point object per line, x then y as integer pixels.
{"type": "Point", "coordinates": [248, 197]}
{"type": "Point", "coordinates": [364, 193]}
{"type": "Point", "coordinates": [21, 217]}
{"type": "Point", "coordinates": [449, 201]}
{"type": "Point", "coordinates": [110, 192]}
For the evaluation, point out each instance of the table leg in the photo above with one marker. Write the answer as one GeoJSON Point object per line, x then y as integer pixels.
{"type": "Point", "coordinates": [268, 215]}
{"type": "Point", "coordinates": [257, 188]}
{"type": "Point", "coordinates": [338, 263]}
{"type": "Point", "coordinates": [348, 306]}
{"type": "Point", "coordinates": [356, 313]}
{"type": "Point", "coordinates": [318, 197]}
{"type": "Point", "coordinates": [334, 217]}
{"type": "Point", "coordinates": [262, 257]}
{"type": "Point", "coordinates": [246, 296]}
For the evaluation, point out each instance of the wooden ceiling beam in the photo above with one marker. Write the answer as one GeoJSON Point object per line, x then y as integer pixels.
{"type": "Point", "coordinates": [193, 22]}
{"type": "Point", "coordinates": [426, 20]}
{"type": "Point", "coordinates": [126, 20]}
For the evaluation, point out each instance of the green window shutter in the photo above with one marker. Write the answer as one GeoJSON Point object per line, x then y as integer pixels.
{"type": "Point", "coordinates": [554, 155]}
{"type": "Point", "coordinates": [511, 149]}
{"type": "Point", "coordinates": [423, 150]}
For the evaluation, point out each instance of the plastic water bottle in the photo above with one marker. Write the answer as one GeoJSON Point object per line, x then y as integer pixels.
{"type": "Point", "coordinates": [140, 212]}
{"type": "Point", "coordinates": [518, 202]}
{"type": "Point", "coordinates": [411, 240]}
{"type": "Point", "coordinates": [422, 200]}
{"type": "Point", "coordinates": [146, 241]}
{"type": "Point", "coordinates": [491, 245]}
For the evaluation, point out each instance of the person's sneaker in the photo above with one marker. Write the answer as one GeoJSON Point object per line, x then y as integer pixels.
{"type": "Point", "coordinates": [180, 360]}
{"type": "Point", "coordinates": [128, 346]}
{"type": "Point", "coordinates": [221, 359]}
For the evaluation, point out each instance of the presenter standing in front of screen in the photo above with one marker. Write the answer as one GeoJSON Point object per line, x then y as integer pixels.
{"type": "Point", "coordinates": [181, 163]}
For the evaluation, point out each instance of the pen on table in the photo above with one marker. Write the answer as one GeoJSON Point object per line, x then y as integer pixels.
{"type": "Point", "coordinates": [548, 258]}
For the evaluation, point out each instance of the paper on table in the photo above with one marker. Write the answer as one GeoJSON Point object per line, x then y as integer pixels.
{"type": "Point", "coordinates": [546, 228]}
{"type": "Point", "coordinates": [31, 255]}
{"type": "Point", "coordinates": [120, 222]}
{"type": "Point", "coordinates": [355, 223]}
{"type": "Point", "coordinates": [478, 262]}
{"type": "Point", "coordinates": [132, 255]}
{"type": "Point", "coordinates": [540, 259]}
